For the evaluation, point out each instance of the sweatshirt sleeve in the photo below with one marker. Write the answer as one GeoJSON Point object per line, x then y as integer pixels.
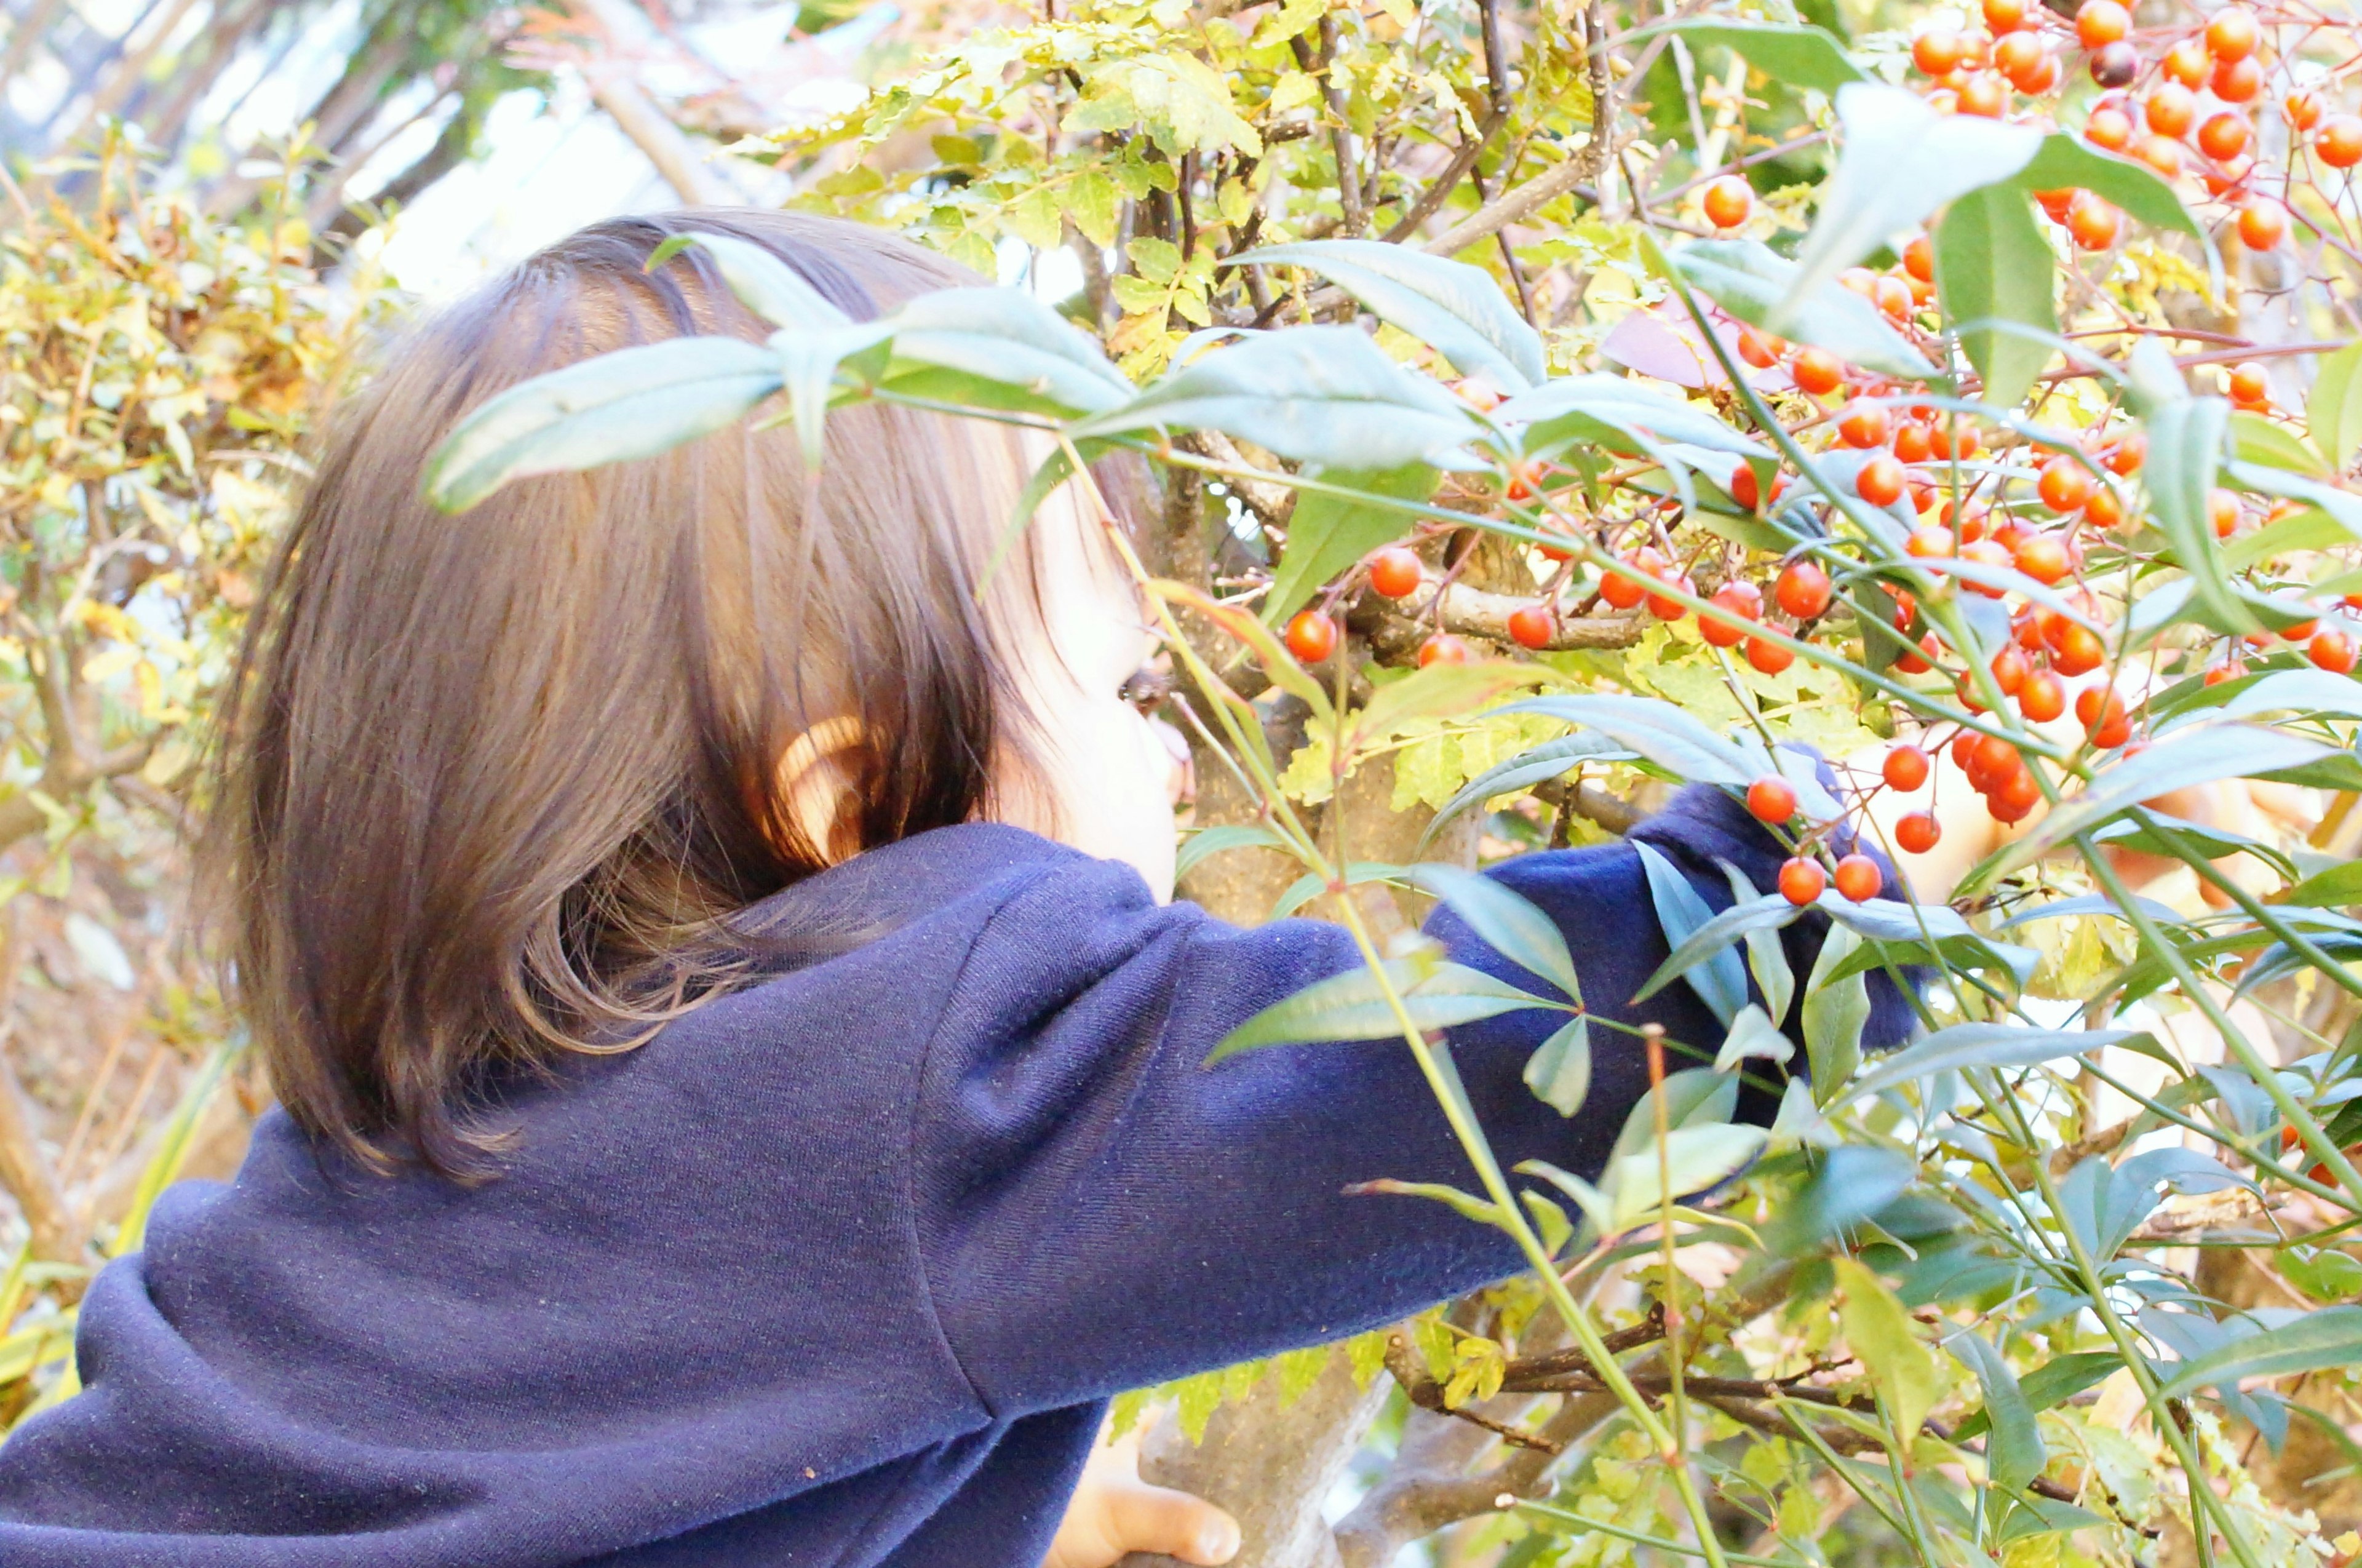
{"type": "Point", "coordinates": [1098, 1211]}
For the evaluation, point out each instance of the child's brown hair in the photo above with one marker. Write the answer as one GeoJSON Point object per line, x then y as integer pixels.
{"type": "Point", "coordinates": [489, 786]}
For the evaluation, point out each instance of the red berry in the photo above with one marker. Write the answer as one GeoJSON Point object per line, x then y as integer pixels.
{"type": "Point", "coordinates": [2099, 23]}
{"type": "Point", "coordinates": [1801, 880]}
{"type": "Point", "coordinates": [2339, 141]}
{"type": "Point", "coordinates": [2064, 485]}
{"type": "Point", "coordinates": [1862, 423]}
{"type": "Point", "coordinates": [1768, 658]}
{"type": "Point", "coordinates": [1666, 609]}
{"type": "Point", "coordinates": [2231, 33]}
{"type": "Point", "coordinates": [2043, 697]}
{"type": "Point", "coordinates": [1905, 768]}
{"type": "Point", "coordinates": [1880, 481]}
{"type": "Point", "coordinates": [1742, 602]}
{"type": "Point", "coordinates": [1727, 201]}
{"type": "Point", "coordinates": [1939, 51]}
{"type": "Point", "coordinates": [1531, 626]}
{"type": "Point", "coordinates": [1622, 587]}
{"type": "Point", "coordinates": [1394, 572]}
{"type": "Point", "coordinates": [1918, 833]}
{"type": "Point", "coordinates": [1803, 589]}
{"type": "Point", "coordinates": [2080, 651]}
{"type": "Point", "coordinates": [1818, 371]}
{"type": "Point", "coordinates": [2332, 651]}
{"type": "Point", "coordinates": [2042, 557]}
{"type": "Point", "coordinates": [1445, 648]}
{"type": "Point", "coordinates": [1311, 636]}
{"type": "Point", "coordinates": [1771, 799]}
{"type": "Point", "coordinates": [1859, 878]}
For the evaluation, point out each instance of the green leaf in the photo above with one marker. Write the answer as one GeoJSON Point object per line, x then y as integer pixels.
{"type": "Point", "coordinates": [2066, 160]}
{"type": "Point", "coordinates": [1752, 1034]}
{"type": "Point", "coordinates": [1992, 264]}
{"type": "Point", "coordinates": [1902, 162]}
{"type": "Point", "coordinates": [767, 285]}
{"type": "Point", "coordinates": [1548, 760]}
{"type": "Point", "coordinates": [1693, 1097]}
{"type": "Point", "coordinates": [2344, 508]}
{"type": "Point", "coordinates": [1665, 735]}
{"type": "Point", "coordinates": [2325, 1337]}
{"type": "Point", "coordinates": [2200, 754]}
{"type": "Point", "coordinates": [1456, 308]}
{"type": "Point", "coordinates": [2014, 1453]}
{"type": "Point", "coordinates": [1796, 56]}
{"type": "Point", "coordinates": [1207, 841]}
{"type": "Point", "coordinates": [1770, 912]}
{"type": "Point", "coordinates": [2254, 440]}
{"type": "Point", "coordinates": [1878, 1330]}
{"type": "Point", "coordinates": [1559, 1072]}
{"type": "Point", "coordinates": [809, 362]}
{"type": "Point", "coordinates": [1767, 956]}
{"type": "Point", "coordinates": [632, 404]}
{"type": "Point", "coordinates": [1719, 978]}
{"type": "Point", "coordinates": [1353, 1006]}
{"type": "Point", "coordinates": [2333, 412]}
{"type": "Point", "coordinates": [1964, 1045]}
{"type": "Point", "coordinates": [1308, 887]}
{"type": "Point", "coordinates": [173, 1144]}
{"type": "Point", "coordinates": [1695, 1159]}
{"type": "Point", "coordinates": [2185, 448]}
{"type": "Point", "coordinates": [1316, 394]}
{"type": "Point", "coordinates": [1837, 1009]}
{"type": "Point", "coordinates": [1753, 282]}
{"type": "Point", "coordinates": [1608, 409]}
{"type": "Point", "coordinates": [1006, 337]}
{"type": "Point", "coordinates": [1504, 921]}
{"type": "Point", "coordinates": [2339, 885]}
{"type": "Point", "coordinates": [1327, 533]}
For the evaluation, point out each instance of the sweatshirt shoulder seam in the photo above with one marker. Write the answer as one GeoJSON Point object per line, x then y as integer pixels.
{"type": "Point", "coordinates": [909, 1201]}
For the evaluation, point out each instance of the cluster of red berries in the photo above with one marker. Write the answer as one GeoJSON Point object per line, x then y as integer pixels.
{"type": "Point", "coordinates": [1773, 800]}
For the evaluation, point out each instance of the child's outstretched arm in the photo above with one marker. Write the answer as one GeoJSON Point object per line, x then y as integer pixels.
{"type": "Point", "coordinates": [1099, 1210]}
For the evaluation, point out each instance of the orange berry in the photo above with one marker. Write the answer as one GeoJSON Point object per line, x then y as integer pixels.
{"type": "Point", "coordinates": [2170, 109]}
{"type": "Point", "coordinates": [2187, 63]}
{"type": "Point", "coordinates": [2014, 797]}
{"type": "Point", "coordinates": [2096, 705]}
{"type": "Point", "coordinates": [1918, 833]}
{"type": "Point", "coordinates": [2161, 153]}
{"type": "Point", "coordinates": [2043, 697]}
{"type": "Point", "coordinates": [2301, 108]}
{"type": "Point", "coordinates": [1985, 552]}
{"type": "Point", "coordinates": [1918, 660]}
{"type": "Point", "coordinates": [2250, 385]}
{"type": "Point", "coordinates": [2332, 651]}
{"type": "Point", "coordinates": [1525, 482]}
{"type": "Point", "coordinates": [2101, 22]}
{"type": "Point", "coordinates": [1757, 348]}
{"type": "Point", "coordinates": [2015, 53]}
{"type": "Point", "coordinates": [1939, 51]}
{"type": "Point", "coordinates": [1818, 371]}
{"type": "Point", "coordinates": [1919, 259]}
{"type": "Point", "coordinates": [2224, 136]}
{"type": "Point", "coordinates": [1445, 648]}
{"type": "Point", "coordinates": [2004, 16]}
{"type": "Point", "coordinates": [1862, 423]}
{"type": "Point", "coordinates": [1768, 658]}
{"type": "Point", "coordinates": [2339, 142]}
{"type": "Point", "coordinates": [1729, 202]}
{"type": "Point", "coordinates": [1991, 760]}
{"type": "Point", "coordinates": [1311, 636]}
{"type": "Point", "coordinates": [1802, 880]}
{"type": "Point", "coordinates": [1905, 768]}
{"type": "Point", "coordinates": [1772, 799]}
{"type": "Point", "coordinates": [2065, 486]}
{"type": "Point", "coordinates": [2223, 512]}
{"type": "Point", "coordinates": [2303, 631]}
{"type": "Point", "coordinates": [2080, 651]}
{"type": "Point", "coordinates": [1912, 442]}
{"type": "Point", "coordinates": [1880, 482]}
{"type": "Point", "coordinates": [2010, 670]}
{"type": "Point", "coordinates": [1531, 626]}
{"type": "Point", "coordinates": [1803, 589]}
{"type": "Point", "coordinates": [1394, 572]}
{"type": "Point", "coordinates": [2110, 129]}
{"type": "Point", "coordinates": [1984, 96]}
{"type": "Point", "coordinates": [1859, 878]}
{"type": "Point", "coordinates": [2231, 33]}
{"type": "Point", "coordinates": [2236, 80]}
{"type": "Point", "coordinates": [1621, 588]}
{"type": "Point", "coordinates": [1665, 609]}
{"type": "Point", "coordinates": [2103, 510]}
{"type": "Point", "coordinates": [2230, 669]}
{"type": "Point", "coordinates": [1928, 544]}
{"type": "Point", "coordinates": [2262, 224]}
{"type": "Point", "coordinates": [2127, 456]}
{"type": "Point", "coordinates": [2056, 203]}
{"type": "Point", "coordinates": [2042, 557]}
{"type": "Point", "coordinates": [2092, 222]}
{"type": "Point", "coordinates": [1742, 603]}
{"type": "Point", "coordinates": [1894, 298]}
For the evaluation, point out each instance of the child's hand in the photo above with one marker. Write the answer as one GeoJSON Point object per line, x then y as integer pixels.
{"type": "Point", "coordinates": [1114, 1511]}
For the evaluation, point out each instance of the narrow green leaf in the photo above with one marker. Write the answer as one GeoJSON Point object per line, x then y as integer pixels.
{"type": "Point", "coordinates": [1766, 912]}
{"type": "Point", "coordinates": [1328, 532]}
{"type": "Point", "coordinates": [1504, 921]}
{"type": "Point", "coordinates": [2254, 440]}
{"type": "Point", "coordinates": [1695, 1159]}
{"type": "Point", "coordinates": [767, 285]}
{"type": "Point", "coordinates": [1559, 1072]}
{"type": "Point", "coordinates": [2333, 412]}
{"type": "Point", "coordinates": [1353, 1006]}
{"type": "Point", "coordinates": [1755, 283]}
{"type": "Point", "coordinates": [1966, 1045]}
{"type": "Point", "coordinates": [1551, 759]}
{"type": "Point", "coordinates": [1007, 339]}
{"type": "Point", "coordinates": [2014, 1453]}
{"type": "Point", "coordinates": [2185, 446]}
{"type": "Point", "coordinates": [1992, 264]}
{"type": "Point", "coordinates": [1665, 735]}
{"type": "Point", "coordinates": [1837, 1009]}
{"type": "Point", "coordinates": [1798, 56]}
{"type": "Point", "coordinates": [2326, 1337]}
{"type": "Point", "coordinates": [1208, 842]}
{"type": "Point", "coordinates": [1719, 978]}
{"type": "Point", "coordinates": [1902, 162]}
{"type": "Point", "coordinates": [1880, 1331]}
{"type": "Point", "coordinates": [614, 408]}
{"type": "Point", "coordinates": [2065, 161]}
{"type": "Point", "coordinates": [1752, 1034]}
{"type": "Point", "coordinates": [1457, 308]}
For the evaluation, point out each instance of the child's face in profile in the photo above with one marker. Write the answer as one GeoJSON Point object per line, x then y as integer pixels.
{"type": "Point", "coordinates": [1108, 774]}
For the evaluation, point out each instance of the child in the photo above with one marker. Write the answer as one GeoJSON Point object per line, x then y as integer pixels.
{"type": "Point", "coordinates": [741, 1079]}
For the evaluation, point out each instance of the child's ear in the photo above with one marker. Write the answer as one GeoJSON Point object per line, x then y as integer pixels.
{"type": "Point", "coordinates": [818, 779]}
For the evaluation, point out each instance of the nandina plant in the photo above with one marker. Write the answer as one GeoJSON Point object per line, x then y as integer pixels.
{"type": "Point", "coordinates": [1732, 389]}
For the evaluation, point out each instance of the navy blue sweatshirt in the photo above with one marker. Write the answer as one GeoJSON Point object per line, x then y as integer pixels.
{"type": "Point", "coordinates": [836, 1271]}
